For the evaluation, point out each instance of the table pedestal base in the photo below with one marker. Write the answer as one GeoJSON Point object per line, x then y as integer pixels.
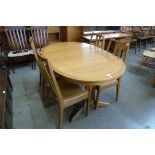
{"type": "Point", "coordinates": [103, 104]}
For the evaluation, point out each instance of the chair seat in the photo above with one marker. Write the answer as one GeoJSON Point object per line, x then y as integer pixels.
{"type": "Point", "coordinates": [72, 93]}
{"type": "Point", "coordinates": [142, 38]}
{"type": "Point", "coordinates": [153, 49]}
{"type": "Point", "coordinates": [19, 54]}
{"type": "Point", "coordinates": [109, 84]}
{"type": "Point", "coordinates": [133, 40]}
{"type": "Point", "coordinates": [149, 54]}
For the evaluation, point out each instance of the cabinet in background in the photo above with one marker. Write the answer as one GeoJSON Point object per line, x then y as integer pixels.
{"type": "Point", "coordinates": [71, 33]}
{"type": "Point", "coordinates": [6, 101]}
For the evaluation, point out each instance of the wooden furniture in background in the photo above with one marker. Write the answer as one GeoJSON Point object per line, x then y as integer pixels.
{"type": "Point", "coordinates": [71, 33]}
{"type": "Point", "coordinates": [53, 34]}
{"type": "Point", "coordinates": [154, 82]}
{"type": "Point", "coordinates": [148, 61]}
{"type": "Point", "coordinates": [39, 35]}
{"type": "Point", "coordinates": [65, 93]}
{"type": "Point", "coordinates": [18, 43]}
{"type": "Point", "coordinates": [99, 40]}
{"type": "Point", "coordinates": [121, 51]}
{"type": "Point", "coordinates": [109, 36]}
{"type": "Point", "coordinates": [6, 101]}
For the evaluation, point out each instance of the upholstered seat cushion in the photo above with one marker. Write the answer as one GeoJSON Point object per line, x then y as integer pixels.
{"type": "Point", "coordinates": [72, 93]}
{"type": "Point", "coordinates": [19, 54]}
{"type": "Point", "coordinates": [109, 84]}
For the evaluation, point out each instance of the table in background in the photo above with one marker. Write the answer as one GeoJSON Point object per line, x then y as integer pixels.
{"type": "Point", "coordinates": [108, 36]}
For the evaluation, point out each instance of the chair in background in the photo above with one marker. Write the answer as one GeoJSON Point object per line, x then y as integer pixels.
{"type": "Point", "coordinates": [121, 51]}
{"type": "Point", "coordinates": [147, 62]}
{"type": "Point", "coordinates": [18, 43]}
{"type": "Point", "coordinates": [65, 93]}
{"type": "Point", "coordinates": [151, 35]}
{"type": "Point", "coordinates": [142, 38]}
{"type": "Point", "coordinates": [39, 35]}
{"type": "Point", "coordinates": [132, 40]}
{"type": "Point", "coordinates": [97, 40]}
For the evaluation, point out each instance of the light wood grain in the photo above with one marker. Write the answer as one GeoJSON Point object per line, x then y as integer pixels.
{"type": "Point", "coordinates": [83, 63]}
{"type": "Point", "coordinates": [110, 36]}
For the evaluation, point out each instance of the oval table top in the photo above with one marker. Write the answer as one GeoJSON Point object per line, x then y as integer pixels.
{"type": "Point", "coordinates": [83, 63]}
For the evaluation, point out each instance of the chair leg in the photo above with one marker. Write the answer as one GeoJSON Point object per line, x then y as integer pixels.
{"type": "Point", "coordinates": [60, 117]}
{"type": "Point", "coordinates": [45, 95]}
{"type": "Point", "coordinates": [145, 43]}
{"type": "Point", "coordinates": [135, 47]}
{"type": "Point", "coordinates": [97, 97]}
{"type": "Point", "coordinates": [33, 65]}
{"type": "Point", "coordinates": [139, 45]}
{"type": "Point", "coordinates": [12, 65]}
{"type": "Point", "coordinates": [141, 63]}
{"type": "Point", "coordinates": [40, 79]}
{"type": "Point", "coordinates": [89, 96]}
{"type": "Point", "coordinates": [117, 90]}
{"type": "Point", "coordinates": [87, 106]}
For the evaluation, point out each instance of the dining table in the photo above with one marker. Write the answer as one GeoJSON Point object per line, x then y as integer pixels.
{"type": "Point", "coordinates": [84, 64]}
{"type": "Point", "coordinates": [119, 35]}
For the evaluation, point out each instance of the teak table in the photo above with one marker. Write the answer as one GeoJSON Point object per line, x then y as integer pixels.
{"type": "Point", "coordinates": [84, 63]}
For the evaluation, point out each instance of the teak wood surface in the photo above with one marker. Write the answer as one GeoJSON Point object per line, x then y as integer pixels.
{"type": "Point", "coordinates": [83, 63]}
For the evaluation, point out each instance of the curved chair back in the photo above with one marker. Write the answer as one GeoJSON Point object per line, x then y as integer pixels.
{"type": "Point", "coordinates": [50, 77]}
{"type": "Point", "coordinates": [17, 38]}
{"type": "Point", "coordinates": [121, 50]}
{"type": "Point", "coordinates": [97, 40]}
{"type": "Point", "coordinates": [39, 35]}
{"type": "Point", "coordinates": [33, 48]}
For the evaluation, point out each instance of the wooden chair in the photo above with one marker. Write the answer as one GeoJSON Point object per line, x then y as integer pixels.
{"type": "Point", "coordinates": [39, 35]}
{"type": "Point", "coordinates": [108, 48]}
{"type": "Point", "coordinates": [131, 40]}
{"type": "Point", "coordinates": [120, 50]}
{"type": "Point", "coordinates": [65, 93]}
{"type": "Point", "coordinates": [18, 43]}
{"type": "Point", "coordinates": [44, 83]}
{"type": "Point", "coordinates": [35, 55]}
{"type": "Point", "coordinates": [147, 62]}
{"type": "Point", "coordinates": [97, 40]}
{"type": "Point", "coordinates": [142, 37]}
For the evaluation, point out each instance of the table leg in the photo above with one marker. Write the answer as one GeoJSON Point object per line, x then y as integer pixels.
{"type": "Point", "coordinates": [103, 104]}
{"type": "Point", "coordinates": [77, 112]}
{"type": "Point", "coordinates": [91, 101]}
{"type": "Point", "coordinates": [154, 82]}
{"type": "Point", "coordinates": [99, 103]}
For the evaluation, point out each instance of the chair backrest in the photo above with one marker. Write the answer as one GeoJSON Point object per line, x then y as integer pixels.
{"type": "Point", "coordinates": [50, 77]}
{"type": "Point", "coordinates": [34, 49]}
{"type": "Point", "coordinates": [109, 44]}
{"type": "Point", "coordinates": [39, 35]}
{"type": "Point", "coordinates": [141, 33]}
{"type": "Point", "coordinates": [17, 38]}
{"type": "Point", "coordinates": [121, 50]}
{"type": "Point", "coordinates": [99, 40]}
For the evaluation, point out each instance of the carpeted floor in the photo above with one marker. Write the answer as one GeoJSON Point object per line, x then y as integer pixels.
{"type": "Point", "coordinates": [134, 109]}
